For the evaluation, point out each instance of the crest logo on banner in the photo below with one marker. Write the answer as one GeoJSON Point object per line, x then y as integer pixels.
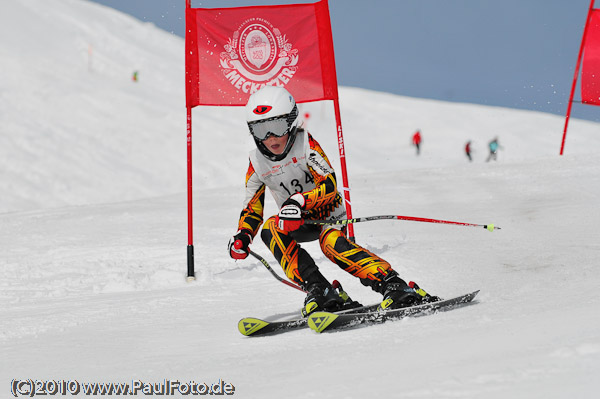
{"type": "Point", "coordinates": [258, 54]}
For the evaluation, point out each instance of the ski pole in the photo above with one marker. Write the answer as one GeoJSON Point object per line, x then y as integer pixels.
{"type": "Point", "coordinates": [489, 227]}
{"type": "Point", "coordinates": [286, 282]}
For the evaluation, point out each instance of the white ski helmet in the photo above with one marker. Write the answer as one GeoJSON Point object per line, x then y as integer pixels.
{"type": "Point", "coordinates": [272, 111]}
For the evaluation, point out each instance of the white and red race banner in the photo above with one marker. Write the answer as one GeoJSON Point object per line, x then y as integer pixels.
{"type": "Point", "coordinates": [233, 52]}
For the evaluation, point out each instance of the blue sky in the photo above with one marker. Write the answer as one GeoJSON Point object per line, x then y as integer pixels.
{"type": "Point", "coordinates": [511, 53]}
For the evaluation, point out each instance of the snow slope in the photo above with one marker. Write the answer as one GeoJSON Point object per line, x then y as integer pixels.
{"type": "Point", "coordinates": [93, 231]}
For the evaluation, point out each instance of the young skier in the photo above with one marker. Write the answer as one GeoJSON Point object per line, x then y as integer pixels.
{"type": "Point", "coordinates": [299, 175]}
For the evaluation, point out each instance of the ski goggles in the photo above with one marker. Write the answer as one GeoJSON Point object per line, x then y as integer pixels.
{"type": "Point", "coordinates": [277, 126]}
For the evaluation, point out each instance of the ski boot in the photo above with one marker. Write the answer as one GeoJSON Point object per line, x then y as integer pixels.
{"type": "Point", "coordinates": [397, 294]}
{"type": "Point", "coordinates": [328, 298]}
{"type": "Point", "coordinates": [348, 302]}
{"type": "Point", "coordinates": [427, 298]}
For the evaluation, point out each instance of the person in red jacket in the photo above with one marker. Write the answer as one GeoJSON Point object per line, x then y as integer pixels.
{"type": "Point", "coordinates": [292, 165]}
{"type": "Point", "coordinates": [417, 140]}
{"type": "Point", "coordinates": [468, 150]}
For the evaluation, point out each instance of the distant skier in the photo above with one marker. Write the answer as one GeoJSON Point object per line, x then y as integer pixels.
{"type": "Point", "coordinates": [494, 147]}
{"type": "Point", "coordinates": [416, 140]}
{"type": "Point", "coordinates": [468, 150]}
{"type": "Point", "coordinates": [302, 181]}
{"type": "Point", "coordinates": [134, 77]}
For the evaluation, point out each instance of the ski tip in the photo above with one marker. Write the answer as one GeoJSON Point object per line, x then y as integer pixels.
{"type": "Point", "coordinates": [248, 326]}
{"type": "Point", "coordinates": [471, 296]}
{"type": "Point", "coordinates": [319, 321]}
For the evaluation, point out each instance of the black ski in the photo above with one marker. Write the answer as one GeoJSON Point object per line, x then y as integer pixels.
{"type": "Point", "coordinates": [325, 321]}
{"type": "Point", "coordinates": [251, 326]}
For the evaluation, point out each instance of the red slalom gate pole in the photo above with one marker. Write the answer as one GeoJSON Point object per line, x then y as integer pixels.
{"type": "Point", "coordinates": [191, 275]}
{"type": "Point", "coordinates": [587, 21]}
{"type": "Point", "coordinates": [342, 150]}
{"type": "Point", "coordinates": [190, 247]}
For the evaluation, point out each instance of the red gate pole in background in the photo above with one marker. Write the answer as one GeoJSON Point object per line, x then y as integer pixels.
{"type": "Point", "coordinates": [585, 29]}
